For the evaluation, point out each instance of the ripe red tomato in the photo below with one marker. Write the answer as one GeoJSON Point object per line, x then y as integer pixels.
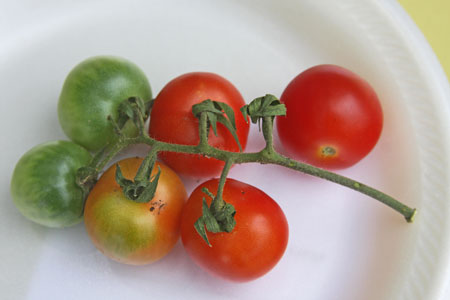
{"type": "Point", "coordinates": [130, 232]}
{"type": "Point", "coordinates": [255, 245]}
{"type": "Point", "coordinates": [334, 117]}
{"type": "Point", "coordinates": [172, 121]}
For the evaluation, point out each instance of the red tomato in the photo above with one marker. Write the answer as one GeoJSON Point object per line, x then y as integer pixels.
{"type": "Point", "coordinates": [256, 243]}
{"type": "Point", "coordinates": [130, 232]}
{"type": "Point", "coordinates": [172, 121]}
{"type": "Point", "coordinates": [333, 120]}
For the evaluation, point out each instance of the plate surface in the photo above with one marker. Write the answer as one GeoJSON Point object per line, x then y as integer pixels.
{"type": "Point", "coordinates": [342, 245]}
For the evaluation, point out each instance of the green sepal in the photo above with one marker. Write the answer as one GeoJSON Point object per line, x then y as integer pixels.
{"type": "Point", "coordinates": [148, 107]}
{"type": "Point", "coordinates": [134, 109]}
{"type": "Point", "coordinates": [225, 218]}
{"type": "Point", "coordinates": [145, 169]}
{"type": "Point", "coordinates": [120, 179]}
{"type": "Point", "coordinates": [149, 191]}
{"type": "Point", "coordinates": [266, 106]}
{"type": "Point", "coordinates": [244, 111]}
{"type": "Point", "coordinates": [86, 177]}
{"type": "Point", "coordinates": [212, 120]}
{"type": "Point", "coordinates": [231, 129]}
{"type": "Point", "coordinates": [141, 191]}
{"type": "Point", "coordinates": [125, 113]}
{"type": "Point", "coordinates": [215, 111]}
{"type": "Point", "coordinates": [229, 112]}
{"type": "Point", "coordinates": [206, 220]}
{"type": "Point", "coordinates": [139, 111]}
{"type": "Point", "coordinates": [214, 221]}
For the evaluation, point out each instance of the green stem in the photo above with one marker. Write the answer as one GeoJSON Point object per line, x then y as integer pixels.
{"type": "Point", "coordinates": [112, 151]}
{"type": "Point", "coordinates": [277, 159]}
{"type": "Point", "coordinates": [140, 121]}
{"type": "Point", "coordinates": [267, 129]}
{"type": "Point", "coordinates": [218, 202]}
{"type": "Point", "coordinates": [203, 132]}
{"type": "Point", "coordinates": [268, 155]}
{"type": "Point", "coordinates": [407, 212]}
{"type": "Point", "coordinates": [146, 168]}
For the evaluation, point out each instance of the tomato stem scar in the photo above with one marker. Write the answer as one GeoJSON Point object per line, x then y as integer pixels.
{"type": "Point", "coordinates": [328, 151]}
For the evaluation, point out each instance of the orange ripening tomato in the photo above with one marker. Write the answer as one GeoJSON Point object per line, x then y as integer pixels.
{"type": "Point", "coordinates": [130, 232]}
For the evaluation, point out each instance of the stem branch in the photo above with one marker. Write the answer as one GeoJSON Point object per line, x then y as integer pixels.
{"type": "Point", "coordinates": [267, 129]}
{"type": "Point", "coordinates": [407, 212]}
{"type": "Point", "coordinates": [203, 132]}
{"type": "Point", "coordinates": [218, 201]}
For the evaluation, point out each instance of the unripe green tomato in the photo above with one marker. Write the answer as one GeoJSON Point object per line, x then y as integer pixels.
{"type": "Point", "coordinates": [92, 91]}
{"type": "Point", "coordinates": [43, 185]}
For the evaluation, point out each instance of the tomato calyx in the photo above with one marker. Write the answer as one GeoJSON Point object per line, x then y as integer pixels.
{"type": "Point", "coordinates": [86, 178]}
{"type": "Point", "coordinates": [266, 106]}
{"type": "Point", "coordinates": [143, 187]}
{"type": "Point", "coordinates": [215, 220]}
{"type": "Point", "coordinates": [219, 216]}
{"type": "Point", "coordinates": [134, 109]}
{"type": "Point", "coordinates": [213, 112]}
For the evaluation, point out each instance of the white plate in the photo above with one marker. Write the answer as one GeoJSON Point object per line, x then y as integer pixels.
{"type": "Point", "coordinates": [343, 245]}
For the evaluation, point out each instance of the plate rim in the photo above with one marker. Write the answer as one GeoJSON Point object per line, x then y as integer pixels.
{"type": "Point", "coordinates": [424, 55]}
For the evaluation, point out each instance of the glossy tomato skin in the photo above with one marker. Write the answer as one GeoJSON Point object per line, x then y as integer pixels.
{"type": "Point", "coordinates": [43, 185]}
{"type": "Point", "coordinates": [255, 245]}
{"type": "Point", "coordinates": [93, 90]}
{"type": "Point", "coordinates": [172, 121]}
{"type": "Point", "coordinates": [334, 117]}
{"type": "Point", "coordinates": [129, 232]}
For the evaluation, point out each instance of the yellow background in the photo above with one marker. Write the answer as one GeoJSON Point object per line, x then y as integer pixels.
{"type": "Point", "coordinates": [433, 19]}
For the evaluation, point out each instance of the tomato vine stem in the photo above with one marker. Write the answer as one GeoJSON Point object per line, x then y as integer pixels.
{"type": "Point", "coordinates": [268, 155]}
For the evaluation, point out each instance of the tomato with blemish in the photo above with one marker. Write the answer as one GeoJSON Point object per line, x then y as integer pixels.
{"type": "Point", "coordinates": [130, 232]}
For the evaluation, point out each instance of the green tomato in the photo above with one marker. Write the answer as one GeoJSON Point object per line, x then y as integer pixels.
{"type": "Point", "coordinates": [92, 91]}
{"type": "Point", "coordinates": [43, 185]}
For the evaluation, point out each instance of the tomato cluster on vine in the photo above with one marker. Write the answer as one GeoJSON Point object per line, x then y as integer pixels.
{"type": "Point", "coordinates": [136, 210]}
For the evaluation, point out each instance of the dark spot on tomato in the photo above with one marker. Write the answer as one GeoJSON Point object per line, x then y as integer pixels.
{"type": "Point", "coordinates": [157, 204]}
{"type": "Point", "coordinates": [160, 206]}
